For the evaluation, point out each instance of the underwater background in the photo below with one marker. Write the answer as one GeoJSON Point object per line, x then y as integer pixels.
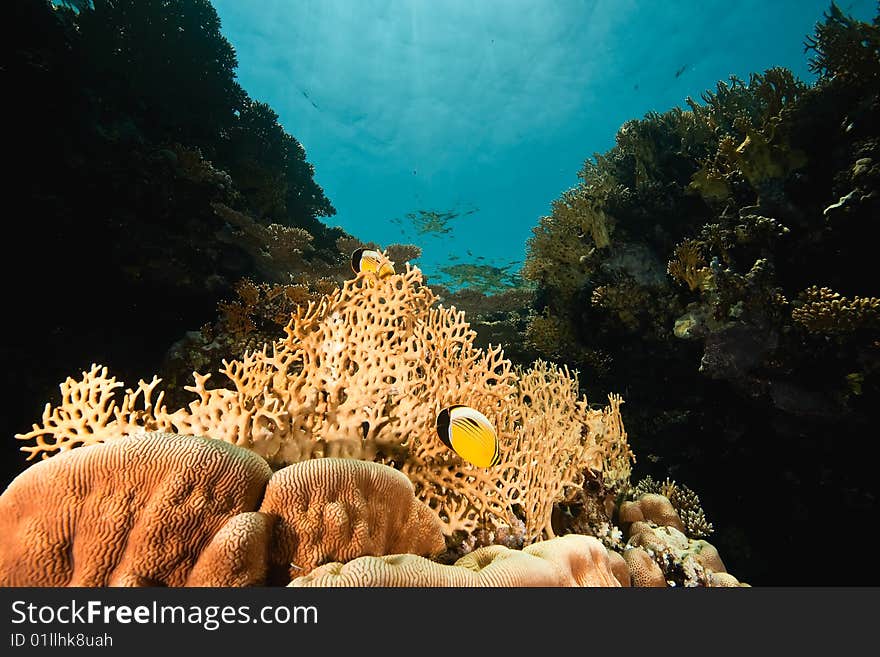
{"type": "Point", "coordinates": [678, 200]}
{"type": "Point", "coordinates": [454, 124]}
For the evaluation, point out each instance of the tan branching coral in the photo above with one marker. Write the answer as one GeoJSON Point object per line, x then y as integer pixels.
{"type": "Point", "coordinates": [362, 374]}
{"type": "Point", "coordinates": [133, 512]}
{"type": "Point", "coordinates": [259, 304]}
{"type": "Point", "coordinates": [823, 310]}
{"type": "Point", "coordinates": [546, 448]}
{"type": "Point", "coordinates": [91, 412]}
{"type": "Point", "coordinates": [688, 265]}
{"type": "Point", "coordinates": [400, 254]}
{"type": "Point", "coordinates": [568, 561]}
{"type": "Point", "coordinates": [338, 509]}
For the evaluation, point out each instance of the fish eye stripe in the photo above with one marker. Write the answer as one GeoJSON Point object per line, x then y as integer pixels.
{"type": "Point", "coordinates": [443, 428]}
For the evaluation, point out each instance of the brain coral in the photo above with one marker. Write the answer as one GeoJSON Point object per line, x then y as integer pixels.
{"type": "Point", "coordinates": [653, 507]}
{"type": "Point", "coordinates": [326, 511]}
{"type": "Point", "coordinates": [163, 509]}
{"type": "Point", "coordinates": [570, 560]}
{"type": "Point", "coordinates": [237, 555]}
{"type": "Point", "coordinates": [136, 512]}
{"type": "Point", "coordinates": [362, 374]}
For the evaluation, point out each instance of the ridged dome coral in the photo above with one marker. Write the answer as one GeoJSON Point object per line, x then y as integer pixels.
{"type": "Point", "coordinates": [570, 561]}
{"type": "Point", "coordinates": [169, 510]}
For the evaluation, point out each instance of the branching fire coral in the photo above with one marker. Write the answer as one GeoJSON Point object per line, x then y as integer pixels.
{"type": "Point", "coordinates": [362, 373]}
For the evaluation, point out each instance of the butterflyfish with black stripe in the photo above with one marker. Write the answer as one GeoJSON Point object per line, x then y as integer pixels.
{"type": "Point", "coordinates": [372, 261]}
{"type": "Point", "coordinates": [469, 434]}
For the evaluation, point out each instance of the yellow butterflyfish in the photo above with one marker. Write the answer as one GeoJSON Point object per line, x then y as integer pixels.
{"type": "Point", "coordinates": [372, 261]}
{"type": "Point", "coordinates": [469, 434]}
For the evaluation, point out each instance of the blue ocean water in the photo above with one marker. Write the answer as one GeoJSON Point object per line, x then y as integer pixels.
{"type": "Point", "coordinates": [454, 124]}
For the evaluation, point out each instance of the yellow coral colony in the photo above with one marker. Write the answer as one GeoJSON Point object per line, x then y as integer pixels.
{"type": "Point", "coordinates": [362, 373]}
{"type": "Point", "coordinates": [688, 265]}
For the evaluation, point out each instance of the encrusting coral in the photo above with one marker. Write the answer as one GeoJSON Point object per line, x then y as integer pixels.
{"type": "Point", "coordinates": [570, 560]}
{"type": "Point", "coordinates": [169, 510]}
{"type": "Point", "coordinates": [683, 561]}
{"type": "Point", "coordinates": [362, 374]}
{"type": "Point", "coordinates": [643, 570]}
